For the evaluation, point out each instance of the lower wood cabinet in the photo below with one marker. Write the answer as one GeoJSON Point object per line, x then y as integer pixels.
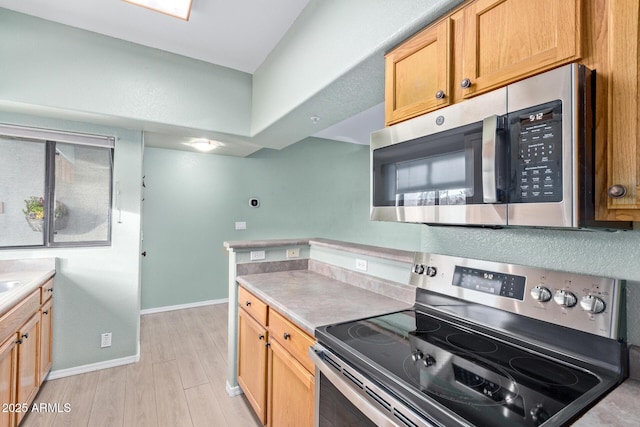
{"type": "Point", "coordinates": [274, 369]}
{"type": "Point", "coordinates": [28, 380]}
{"type": "Point", "coordinates": [291, 389]}
{"type": "Point", "coordinates": [25, 353]}
{"type": "Point", "coordinates": [252, 363]}
{"type": "Point", "coordinates": [8, 364]}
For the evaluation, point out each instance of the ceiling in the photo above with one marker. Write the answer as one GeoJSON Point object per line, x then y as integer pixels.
{"type": "Point", "coordinates": [237, 34]}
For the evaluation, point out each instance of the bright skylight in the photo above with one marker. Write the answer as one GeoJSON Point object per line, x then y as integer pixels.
{"type": "Point", "coordinates": [178, 8]}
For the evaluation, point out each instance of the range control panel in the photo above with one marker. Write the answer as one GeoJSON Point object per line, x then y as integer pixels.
{"type": "Point", "coordinates": [583, 302]}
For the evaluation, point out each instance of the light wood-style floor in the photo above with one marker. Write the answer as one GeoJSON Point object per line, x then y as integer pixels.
{"type": "Point", "coordinates": [179, 381]}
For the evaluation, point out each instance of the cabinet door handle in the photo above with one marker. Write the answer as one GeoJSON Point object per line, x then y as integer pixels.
{"type": "Point", "coordinates": [248, 303]}
{"type": "Point", "coordinates": [50, 290]}
{"type": "Point", "coordinates": [617, 191]}
{"type": "Point", "coordinates": [25, 336]}
{"type": "Point", "coordinates": [267, 344]}
{"type": "Point", "coordinates": [440, 94]}
{"type": "Point", "coordinates": [19, 342]}
{"type": "Point", "coordinates": [45, 312]}
{"type": "Point", "coordinates": [465, 83]}
{"type": "Point", "coordinates": [260, 337]}
{"type": "Point", "coordinates": [286, 335]}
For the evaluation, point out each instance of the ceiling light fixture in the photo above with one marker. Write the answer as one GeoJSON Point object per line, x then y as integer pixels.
{"type": "Point", "coordinates": [177, 8]}
{"type": "Point", "coordinates": [204, 145]}
{"type": "Point", "coordinates": [314, 119]}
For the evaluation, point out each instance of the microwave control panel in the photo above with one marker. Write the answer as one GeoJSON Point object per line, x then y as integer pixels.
{"type": "Point", "coordinates": [536, 159]}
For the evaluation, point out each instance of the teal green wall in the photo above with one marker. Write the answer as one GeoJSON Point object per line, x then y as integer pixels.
{"type": "Point", "coordinates": [97, 289]}
{"type": "Point", "coordinates": [52, 65]}
{"type": "Point", "coordinates": [315, 188]}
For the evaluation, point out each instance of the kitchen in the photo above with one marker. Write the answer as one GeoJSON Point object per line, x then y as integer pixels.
{"type": "Point", "coordinates": [299, 195]}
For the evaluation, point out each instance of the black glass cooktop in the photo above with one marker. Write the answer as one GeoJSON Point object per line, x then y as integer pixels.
{"type": "Point", "coordinates": [484, 380]}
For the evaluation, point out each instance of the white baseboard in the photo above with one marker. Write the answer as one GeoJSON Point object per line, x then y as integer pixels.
{"type": "Point", "coordinates": [61, 373]}
{"type": "Point", "coordinates": [183, 306]}
{"type": "Point", "coordinates": [233, 391]}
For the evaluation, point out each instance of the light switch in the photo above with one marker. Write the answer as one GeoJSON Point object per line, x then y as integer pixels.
{"type": "Point", "coordinates": [241, 225]}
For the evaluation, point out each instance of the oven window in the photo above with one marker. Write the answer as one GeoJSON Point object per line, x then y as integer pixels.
{"type": "Point", "coordinates": [335, 410]}
{"type": "Point", "coordinates": [441, 169]}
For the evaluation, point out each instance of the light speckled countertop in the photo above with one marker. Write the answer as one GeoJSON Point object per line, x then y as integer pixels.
{"type": "Point", "coordinates": [310, 299]}
{"type": "Point", "coordinates": [31, 273]}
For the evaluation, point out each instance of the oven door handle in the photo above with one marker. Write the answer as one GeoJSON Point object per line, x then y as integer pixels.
{"type": "Point", "coordinates": [355, 395]}
{"type": "Point", "coordinates": [489, 175]}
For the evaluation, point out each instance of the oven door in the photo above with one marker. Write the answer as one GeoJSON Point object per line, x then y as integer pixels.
{"type": "Point", "coordinates": [445, 167]}
{"type": "Point", "coordinates": [343, 396]}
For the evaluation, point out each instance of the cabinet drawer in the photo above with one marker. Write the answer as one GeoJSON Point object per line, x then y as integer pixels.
{"type": "Point", "coordinates": [253, 305]}
{"type": "Point", "coordinates": [292, 338]}
{"type": "Point", "coordinates": [46, 291]}
{"type": "Point", "coordinates": [12, 320]}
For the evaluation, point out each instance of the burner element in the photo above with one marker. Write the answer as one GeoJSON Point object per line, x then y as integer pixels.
{"type": "Point", "coordinates": [472, 343]}
{"type": "Point", "coordinates": [544, 371]}
{"type": "Point", "coordinates": [371, 336]}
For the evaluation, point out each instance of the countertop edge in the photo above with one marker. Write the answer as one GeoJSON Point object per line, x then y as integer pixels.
{"type": "Point", "coordinates": [357, 248]}
{"type": "Point", "coordinates": [11, 298]}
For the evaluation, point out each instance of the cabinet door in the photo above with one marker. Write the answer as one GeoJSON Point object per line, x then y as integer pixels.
{"type": "Point", "coordinates": [7, 379]}
{"type": "Point", "coordinates": [291, 390]}
{"type": "Point", "coordinates": [252, 362]}
{"type": "Point", "coordinates": [46, 334]}
{"type": "Point", "coordinates": [417, 74]}
{"type": "Point", "coordinates": [28, 362]}
{"type": "Point", "coordinates": [507, 40]}
{"type": "Point", "coordinates": [623, 151]}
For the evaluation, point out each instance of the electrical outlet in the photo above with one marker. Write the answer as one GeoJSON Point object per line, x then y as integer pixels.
{"type": "Point", "coordinates": [256, 255]}
{"type": "Point", "coordinates": [105, 340]}
{"type": "Point", "coordinates": [293, 253]}
{"type": "Point", "coordinates": [361, 264]}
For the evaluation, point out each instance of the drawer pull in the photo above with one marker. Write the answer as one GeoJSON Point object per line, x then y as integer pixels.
{"type": "Point", "coordinates": [248, 303]}
{"type": "Point", "coordinates": [286, 335]}
{"type": "Point", "coordinates": [45, 312]}
{"type": "Point", "coordinates": [50, 290]}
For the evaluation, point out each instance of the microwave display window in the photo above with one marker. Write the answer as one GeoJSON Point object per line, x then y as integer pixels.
{"type": "Point", "coordinates": [440, 170]}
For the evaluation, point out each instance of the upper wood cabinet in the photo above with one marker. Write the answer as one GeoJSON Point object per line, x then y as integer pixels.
{"type": "Point", "coordinates": [620, 191]}
{"type": "Point", "coordinates": [507, 40]}
{"type": "Point", "coordinates": [418, 75]}
{"type": "Point", "coordinates": [483, 45]}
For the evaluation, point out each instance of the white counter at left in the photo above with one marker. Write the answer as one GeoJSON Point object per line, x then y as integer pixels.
{"type": "Point", "coordinates": [31, 273]}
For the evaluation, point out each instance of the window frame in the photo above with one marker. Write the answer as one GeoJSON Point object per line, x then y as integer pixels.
{"type": "Point", "coordinates": [50, 138]}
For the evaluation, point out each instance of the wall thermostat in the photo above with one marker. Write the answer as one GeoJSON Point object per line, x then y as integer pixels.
{"type": "Point", "coordinates": [254, 202]}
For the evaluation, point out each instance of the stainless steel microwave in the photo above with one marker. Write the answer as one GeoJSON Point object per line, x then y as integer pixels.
{"type": "Point", "coordinates": [521, 155]}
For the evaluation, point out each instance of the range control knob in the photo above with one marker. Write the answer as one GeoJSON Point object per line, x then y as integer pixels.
{"type": "Point", "coordinates": [592, 304]}
{"type": "Point", "coordinates": [541, 293]}
{"type": "Point", "coordinates": [417, 355]}
{"type": "Point", "coordinates": [565, 298]}
{"type": "Point", "coordinates": [539, 415]}
{"type": "Point", "coordinates": [432, 271]}
{"type": "Point", "coordinates": [428, 361]}
{"type": "Point", "coordinates": [418, 268]}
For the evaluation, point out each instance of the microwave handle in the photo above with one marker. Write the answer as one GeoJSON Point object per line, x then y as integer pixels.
{"type": "Point", "coordinates": [489, 176]}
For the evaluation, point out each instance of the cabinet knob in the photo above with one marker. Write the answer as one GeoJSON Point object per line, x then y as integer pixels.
{"type": "Point", "coordinates": [25, 336]}
{"type": "Point", "coordinates": [617, 191]}
{"type": "Point", "coordinates": [465, 83]}
{"type": "Point", "coordinates": [45, 312]}
{"type": "Point", "coordinates": [50, 290]}
{"type": "Point", "coordinates": [440, 94]}
{"type": "Point", "coordinates": [19, 342]}
{"type": "Point", "coordinates": [248, 303]}
{"type": "Point", "coordinates": [287, 335]}
{"type": "Point", "coordinates": [261, 337]}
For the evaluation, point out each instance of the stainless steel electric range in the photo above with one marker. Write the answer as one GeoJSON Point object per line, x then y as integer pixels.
{"type": "Point", "coordinates": [487, 344]}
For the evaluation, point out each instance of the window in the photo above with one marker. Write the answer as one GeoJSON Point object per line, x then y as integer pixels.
{"type": "Point", "coordinates": [55, 188]}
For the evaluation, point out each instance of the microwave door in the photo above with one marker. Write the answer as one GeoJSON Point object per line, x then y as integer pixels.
{"type": "Point", "coordinates": [440, 168]}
